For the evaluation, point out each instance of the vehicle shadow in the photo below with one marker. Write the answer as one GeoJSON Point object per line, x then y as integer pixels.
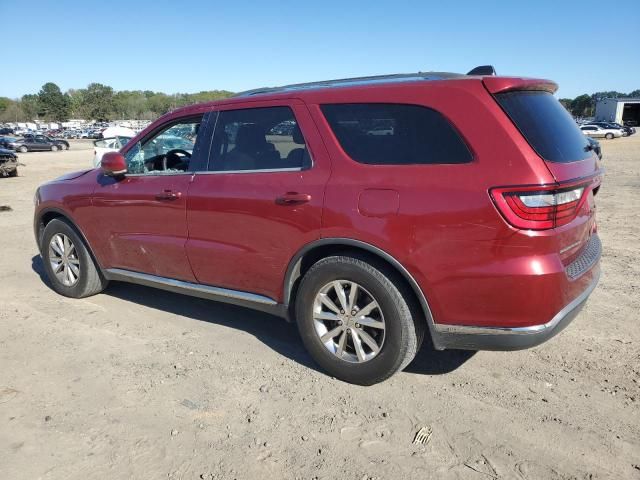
{"type": "Point", "coordinates": [274, 332]}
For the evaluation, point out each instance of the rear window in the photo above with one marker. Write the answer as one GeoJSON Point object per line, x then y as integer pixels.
{"type": "Point", "coordinates": [395, 134]}
{"type": "Point", "coordinates": [546, 125]}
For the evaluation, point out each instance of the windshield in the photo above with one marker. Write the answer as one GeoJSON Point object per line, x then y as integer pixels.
{"type": "Point", "coordinates": [546, 125]}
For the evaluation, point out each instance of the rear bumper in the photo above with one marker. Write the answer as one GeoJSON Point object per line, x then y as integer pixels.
{"type": "Point", "coordinates": [463, 337]}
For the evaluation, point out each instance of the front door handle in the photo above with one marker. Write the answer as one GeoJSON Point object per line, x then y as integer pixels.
{"type": "Point", "coordinates": [168, 195]}
{"type": "Point", "coordinates": [293, 198]}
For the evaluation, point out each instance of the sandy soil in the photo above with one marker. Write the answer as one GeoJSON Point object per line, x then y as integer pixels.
{"type": "Point", "coordinates": [137, 383]}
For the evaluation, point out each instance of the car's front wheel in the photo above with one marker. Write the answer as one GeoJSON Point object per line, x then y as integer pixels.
{"type": "Point", "coordinates": [67, 262]}
{"type": "Point", "coordinates": [609, 136]}
{"type": "Point", "coordinates": [355, 319]}
{"type": "Point", "coordinates": [54, 148]}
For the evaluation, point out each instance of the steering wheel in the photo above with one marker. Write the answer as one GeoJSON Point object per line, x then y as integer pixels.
{"type": "Point", "coordinates": [174, 158]}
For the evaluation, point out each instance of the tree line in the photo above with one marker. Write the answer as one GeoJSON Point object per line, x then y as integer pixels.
{"type": "Point", "coordinates": [585, 105]}
{"type": "Point", "coordinates": [101, 102]}
{"type": "Point", "coordinates": [97, 102]}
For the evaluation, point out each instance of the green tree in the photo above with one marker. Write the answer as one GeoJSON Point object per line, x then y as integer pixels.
{"type": "Point", "coordinates": [30, 105]}
{"type": "Point", "coordinates": [11, 111]}
{"type": "Point", "coordinates": [566, 103]}
{"type": "Point", "coordinates": [97, 102]}
{"type": "Point", "coordinates": [582, 106]}
{"type": "Point", "coordinates": [52, 104]}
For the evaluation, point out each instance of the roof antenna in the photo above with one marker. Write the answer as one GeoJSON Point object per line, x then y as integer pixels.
{"type": "Point", "coordinates": [483, 70]}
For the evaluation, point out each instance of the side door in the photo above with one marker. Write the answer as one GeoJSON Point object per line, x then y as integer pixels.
{"type": "Point", "coordinates": [261, 198]}
{"type": "Point", "coordinates": [39, 144]}
{"type": "Point", "coordinates": [140, 219]}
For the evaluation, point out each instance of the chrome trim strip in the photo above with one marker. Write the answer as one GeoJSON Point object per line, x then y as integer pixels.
{"type": "Point", "coordinates": [535, 329]}
{"type": "Point", "coordinates": [257, 170]}
{"type": "Point", "coordinates": [188, 288]}
{"type": "Point", "coordinates": [158, 174]}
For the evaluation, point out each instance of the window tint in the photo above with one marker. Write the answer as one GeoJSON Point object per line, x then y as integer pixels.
{"type": "Point", "coordinates": [258, 139]}
{"type": "Point", "coordinates": [390, 134]}
{"type": "Point", "coordinates": [167, 152]}
{"type": "Point", "coordinates": [546, 125]}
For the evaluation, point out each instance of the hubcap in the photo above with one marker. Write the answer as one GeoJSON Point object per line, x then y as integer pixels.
{"type": "Point", "coordinates": [64, 259]}
{"type": "Point", "coordinates": [349, 321]}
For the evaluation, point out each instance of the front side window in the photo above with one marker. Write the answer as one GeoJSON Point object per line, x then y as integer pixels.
{"type": "Point", "coordinates": [168, 151]}
{"type": "Point", "coordinates": [266, 138]}
{"type": "Point", "coordinates": [395, 134]}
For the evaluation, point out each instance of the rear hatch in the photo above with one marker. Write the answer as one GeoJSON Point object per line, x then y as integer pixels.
{"type": "Point", "coordinates": [568, 155]}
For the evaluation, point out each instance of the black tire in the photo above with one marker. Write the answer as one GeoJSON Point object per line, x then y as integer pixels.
{"type": "Point", "coordinates": [404, 327]}
{"type": "Point", "coordinates": [609, 136]}
{"type": "Point", "coordinates": [23, 149]}
{"type": "Point", "coordinates": [54, 148]}
{"type": "Point", "coordinates": [89, 281]}
{"type": "Point", "coordinates": [13, 173]}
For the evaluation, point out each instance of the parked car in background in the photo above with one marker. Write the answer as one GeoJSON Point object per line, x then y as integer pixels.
{"type": "Point", "coordinates": [71, 134]}
{"type": "Point", "coordinates": [6, 131]}
{"type": "Point", "coordinates": [8, 163]}
{"type": "Point", "coordinates": [470, 221]}
{"type": "Point", "coordinates": [626, 130]}
{"type": "Point", "coordinates": [107, 145]}
{"type": "Point", "coordinates": [5, 142]}
{"type": "Point", "coordinates": [594, 145]}
{"type": "Point", "coordinates": [36, 143]}
{"type": "Point", "coordinates": [600, 132]}
{"type": "Point", "coordinates": [62, 143]}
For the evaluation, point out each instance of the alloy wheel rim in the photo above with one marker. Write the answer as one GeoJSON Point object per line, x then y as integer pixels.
{"type": "Point", "coordinates": [64, 260]}
{"type": "Point", "coordinates": [349, 321]}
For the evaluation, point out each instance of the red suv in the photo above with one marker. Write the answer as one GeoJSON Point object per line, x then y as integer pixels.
{"type": "Point", "coordinates": [370, 211]}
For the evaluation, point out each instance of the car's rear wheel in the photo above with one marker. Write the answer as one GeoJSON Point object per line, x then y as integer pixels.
{"type": "Point", "coordinates": [609, 136]}
{"type": "Point", "coordinates": [355, 319]}
{"type": "Point", "coordinates": [63, 146]}
{"type": "Point", "coordinates": [68, 264]}
{"type": "Point", "coordinates": [54, 148]}
{"type": "Point", "coordinates": [23, 149]}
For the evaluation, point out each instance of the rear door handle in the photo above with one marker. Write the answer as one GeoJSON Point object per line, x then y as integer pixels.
{"type": "Point", "coordinates": [168, 195]}
{"type": "Point", "coordinates": [293, 198]}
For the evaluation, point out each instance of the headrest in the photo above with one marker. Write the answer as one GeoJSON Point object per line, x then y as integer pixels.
{"type": "Point", "coordinates": [250, 137]}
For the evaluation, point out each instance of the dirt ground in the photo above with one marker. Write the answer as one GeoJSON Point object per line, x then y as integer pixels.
{"type": "Point", "coordinates": [142, 384]}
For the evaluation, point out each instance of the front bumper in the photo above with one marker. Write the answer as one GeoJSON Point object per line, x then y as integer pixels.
{"type": "Point", "coordinates": [464, 337]}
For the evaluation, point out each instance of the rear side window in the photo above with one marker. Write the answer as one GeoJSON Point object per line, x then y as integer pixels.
{"type": "Point", "coordinates": [254, 139]}
{"type": "Point", "coordinates": [395, 134]}
{"type": "Point", "coordinates": [546, 125]}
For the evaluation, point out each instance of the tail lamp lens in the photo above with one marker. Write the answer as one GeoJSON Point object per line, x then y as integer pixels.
{"type": "Point", "coordinates": [536, 208]}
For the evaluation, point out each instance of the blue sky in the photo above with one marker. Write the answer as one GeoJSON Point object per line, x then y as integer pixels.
{"type": "Point", "coordinates": [192, 45]}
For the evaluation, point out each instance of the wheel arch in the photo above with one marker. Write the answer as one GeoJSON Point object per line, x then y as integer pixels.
{"type": "Point", "coordinates": [46, 215]}
{"type": "Point", "coordinates": [322, 248]}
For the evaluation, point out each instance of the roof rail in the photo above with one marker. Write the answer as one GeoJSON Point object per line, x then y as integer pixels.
{"type": "Point", "coordinates": [347, 82]}
{"type": "Point", "coordinates": [483, 70]}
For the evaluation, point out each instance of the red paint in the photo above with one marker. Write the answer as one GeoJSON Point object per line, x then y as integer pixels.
{"type": "Point", "coordinates": [439, 221]}
{"type": "Point", "coordinates": [113, 163]}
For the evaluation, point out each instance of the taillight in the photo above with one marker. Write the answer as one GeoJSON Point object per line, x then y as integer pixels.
{"type": "Point", "coordinates": [540, 208]}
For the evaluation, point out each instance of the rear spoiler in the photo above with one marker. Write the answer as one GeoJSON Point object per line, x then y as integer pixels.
{"type": "Point", "coordinates": [508, 84]}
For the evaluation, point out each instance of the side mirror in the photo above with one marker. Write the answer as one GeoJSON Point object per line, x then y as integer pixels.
{"type": "Point", "coordinates": [113, 164]}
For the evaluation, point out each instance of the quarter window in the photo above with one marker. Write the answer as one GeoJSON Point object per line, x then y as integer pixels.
{"type": "Point", "coordinates": [258, 139]}
{"type": "Point", "coordinates": [395, 134]}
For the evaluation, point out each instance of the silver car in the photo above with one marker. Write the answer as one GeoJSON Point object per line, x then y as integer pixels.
{"type": "Point", "coordinates": [597, 131]}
